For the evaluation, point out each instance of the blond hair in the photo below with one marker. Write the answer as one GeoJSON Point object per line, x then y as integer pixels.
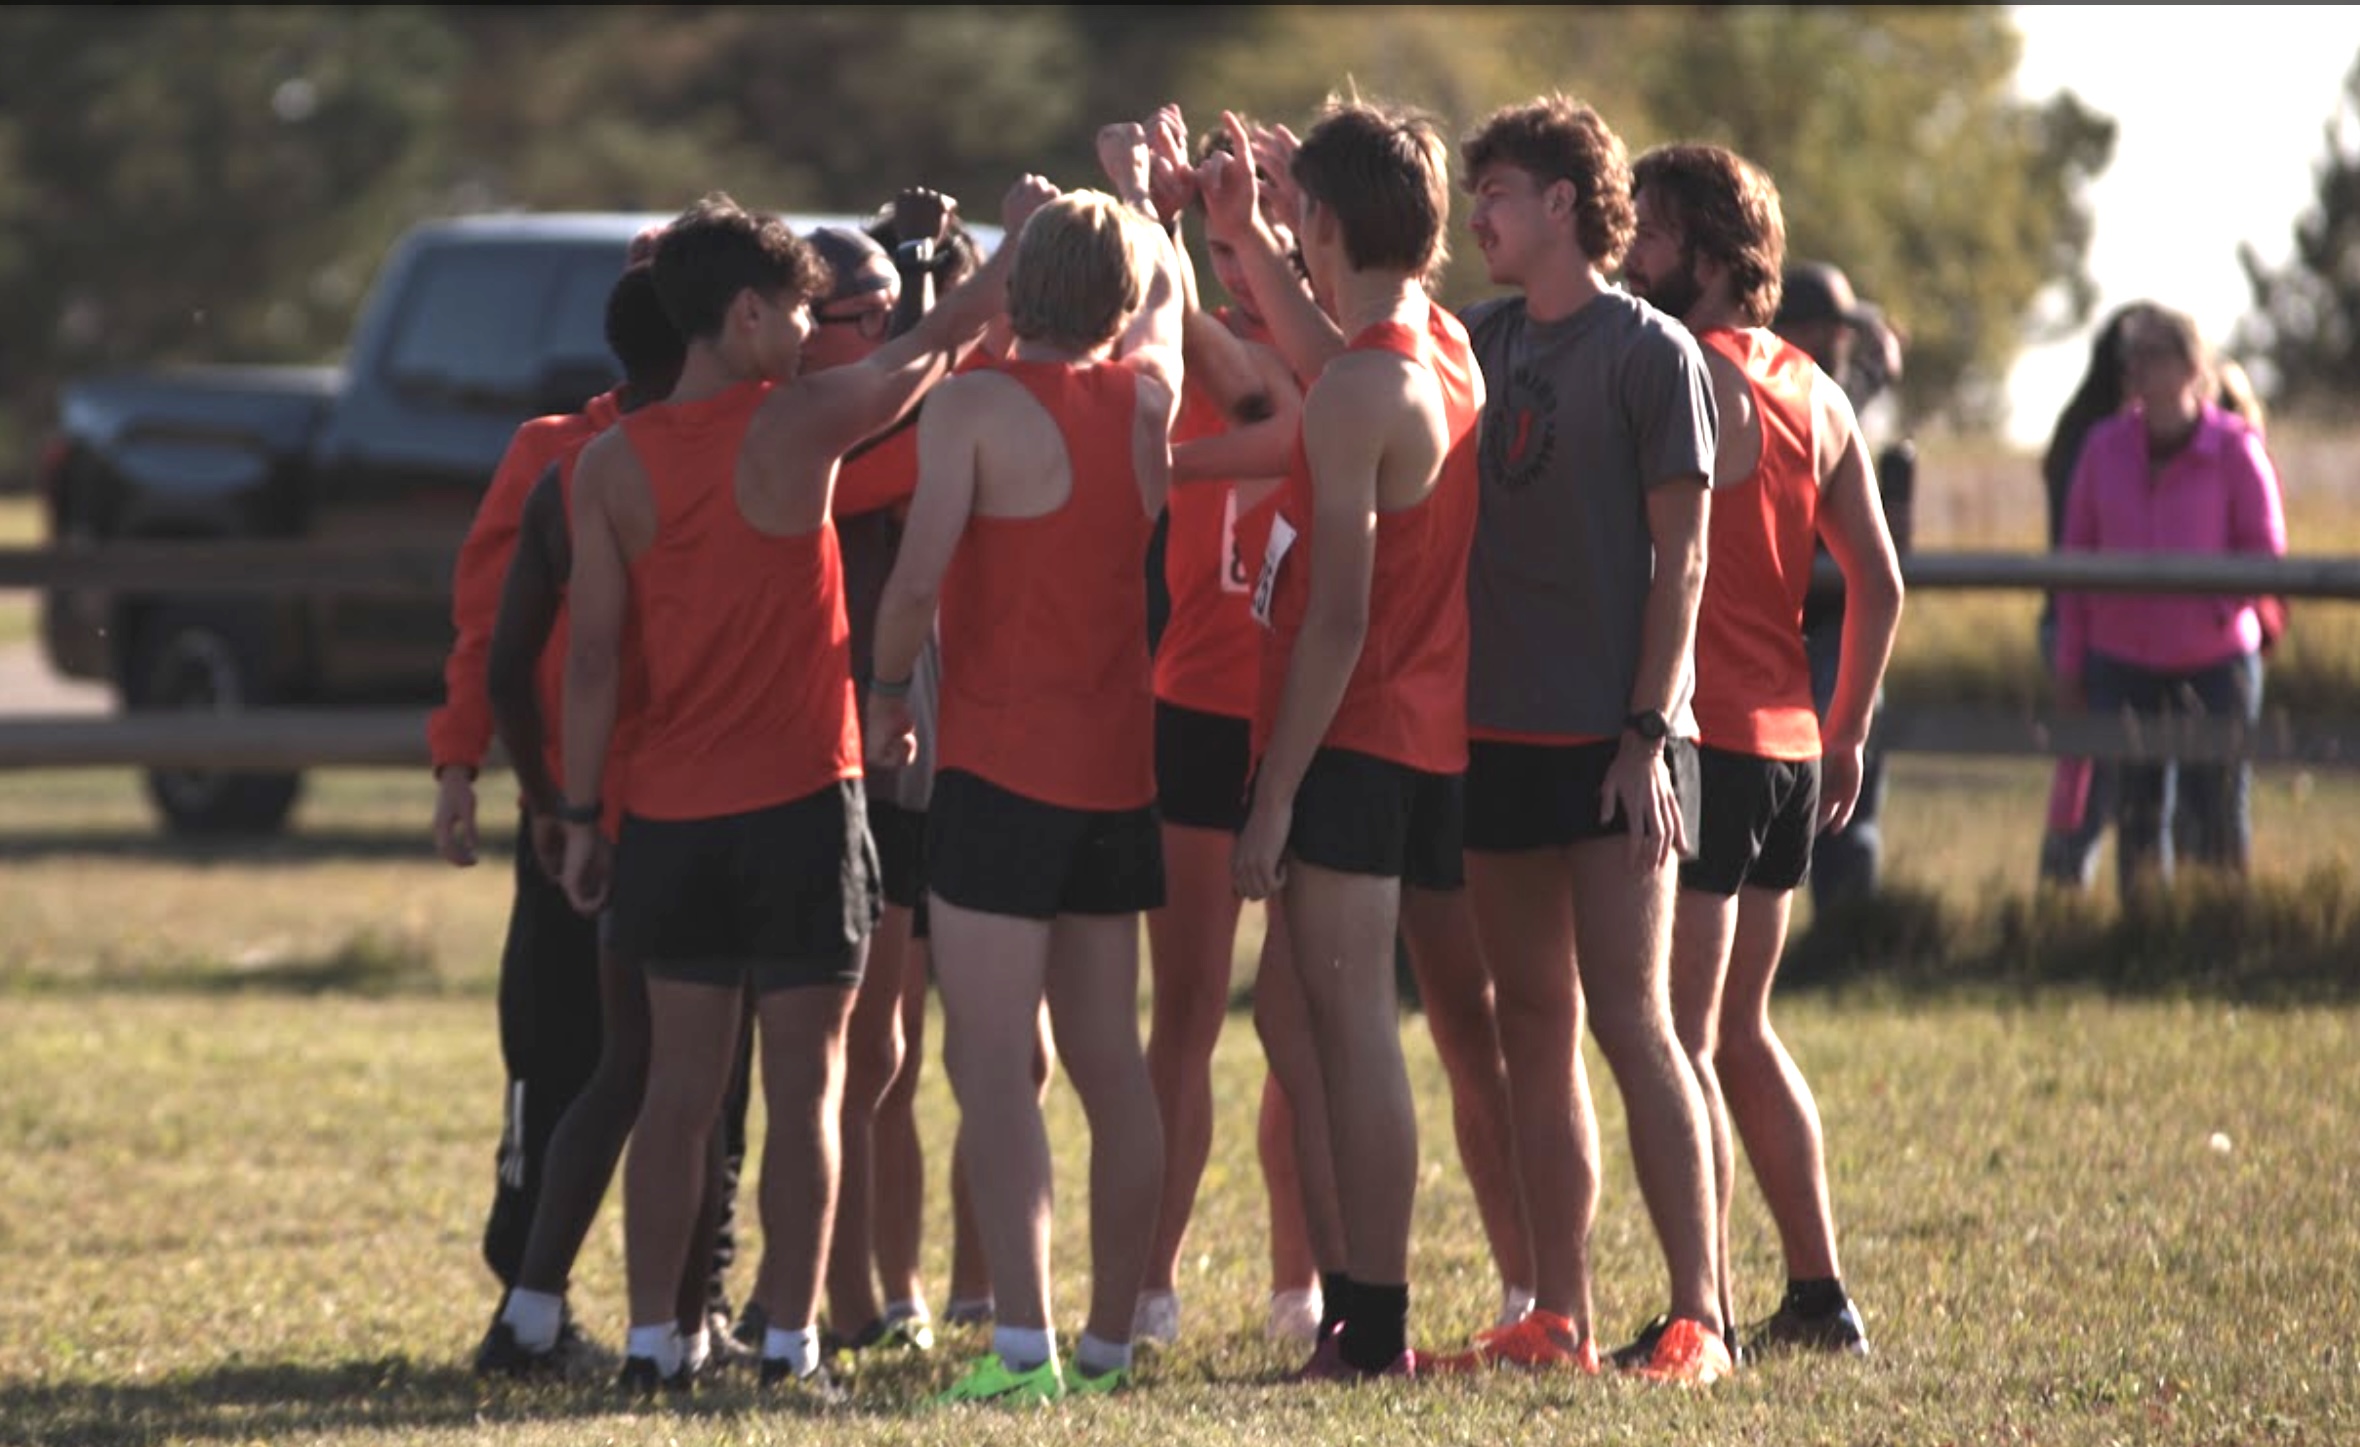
{"type": "Point", "coordinates": [1080, 271]}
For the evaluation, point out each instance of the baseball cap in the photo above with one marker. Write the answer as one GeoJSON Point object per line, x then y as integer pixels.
{"type": "Point", "coordinates": [1814, 291]}
{"type": "Point", "coordinates": [848, 254]}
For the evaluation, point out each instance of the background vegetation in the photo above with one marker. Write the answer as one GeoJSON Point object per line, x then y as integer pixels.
{"type": "Point", "coordinates": [219, 182]}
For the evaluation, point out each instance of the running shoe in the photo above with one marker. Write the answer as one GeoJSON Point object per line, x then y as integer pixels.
{"type": "Point", "coordinates": [990, 1380]}
{"type": "Point", "coordinates": [1837, 1332]}
{"type": "Point", "coordinates": [1328, 1364]}
{"type": "Point", "coordinates": [1079, 1383]}
{"type": "Point", "coordinates": [1688, 1352]}
{"type": "Point", "coordinates": [640, 1379]}
{"type": "Point", "coordinates": [1541, 1341]}
{"type": "Point", "coordinates": [819, 1386]}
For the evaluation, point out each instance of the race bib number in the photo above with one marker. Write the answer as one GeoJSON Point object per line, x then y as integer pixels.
{"type": "Point", "coordinates": [1233, 563]}
{"type": "Point", "coordinates": [1282, 537]}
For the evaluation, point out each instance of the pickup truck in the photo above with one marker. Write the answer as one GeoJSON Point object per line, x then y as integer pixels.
{"type": "Point", "coordinates": [473, 326]}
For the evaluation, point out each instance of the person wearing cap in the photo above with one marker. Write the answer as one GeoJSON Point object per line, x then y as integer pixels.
{"type": "Point", "coordinates": [1852, 342]}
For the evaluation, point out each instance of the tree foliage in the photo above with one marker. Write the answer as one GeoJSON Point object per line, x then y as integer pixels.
{"type": "Point", "coordinates": [221, 182]}
{"type": "Point", "coordinates": [2302, 338]}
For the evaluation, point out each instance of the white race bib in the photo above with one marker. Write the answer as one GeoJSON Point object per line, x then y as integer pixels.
{"type": "Point", "coordinates": [1282, 537]}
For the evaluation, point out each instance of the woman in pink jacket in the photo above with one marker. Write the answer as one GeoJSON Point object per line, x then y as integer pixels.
{"type": "Point", "coordinates": [2172, 472]}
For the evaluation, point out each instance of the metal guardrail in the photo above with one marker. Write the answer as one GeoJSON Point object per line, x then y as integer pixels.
{"type": "Point", "coordinates": [340, 738]}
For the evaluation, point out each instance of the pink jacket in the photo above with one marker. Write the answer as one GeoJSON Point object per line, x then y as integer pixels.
{"type": "Point", "coordinates": [2219, 495]}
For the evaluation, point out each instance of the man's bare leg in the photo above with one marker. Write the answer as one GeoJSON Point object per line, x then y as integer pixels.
{"type": "Point", "coordinates": [1342, 929]}
{"type": "Point", "coordinates": [1454, 986]}
{"type": "Point", "coordinates": [1283, 1022]}
{"type": "Point", "coordinates": [1192, 941]}
{"type": "Point", "coordinates": [691, 1031]}
{"type": "Point", "coordinates": [992, 971]}
{"type": "Point", "coordinates": [1622, 929]}
{"type": "Point", "coordinates": [1524, 917]}
{"type": "Point", "coordinates": [1093, 991]}
{"type": "Point", "coordinates": [1702, 925]}
{"type": "Point", "coordinates": [1770, 1102]}
{"type": "Point", "coordinates": [802, 1051]}
{"type": "Point", "coordinates": [899, 1170]}
{"type": "Point", "coordinates": [873, 1047]}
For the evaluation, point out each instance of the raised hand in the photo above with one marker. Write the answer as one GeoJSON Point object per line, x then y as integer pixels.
{"type": "Point", "coordinates": [1171, 178]}
{"type": "Point", "coordinates": [1273, 149]}
{"type": "Point", "coordinates": [921, 213]}
{"type": "Point", "coordinates": [1226, 183]}
{"type": "Point", "coordinates": [1028, 194]}
{"type": "Point", "coordinates": [1124, 156]}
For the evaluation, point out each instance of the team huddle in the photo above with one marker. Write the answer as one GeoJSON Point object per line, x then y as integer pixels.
{"type": "Point", "coordinates": [822, 650]}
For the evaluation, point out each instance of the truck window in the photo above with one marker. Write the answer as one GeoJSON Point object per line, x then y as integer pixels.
{"type": "Point", "coordinates": [574, 332]}
{"type": "Point", "coordinates": [467, 332]}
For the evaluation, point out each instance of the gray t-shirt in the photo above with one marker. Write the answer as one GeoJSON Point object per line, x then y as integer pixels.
{"type": "Point", "coordinates": [1582, 417]}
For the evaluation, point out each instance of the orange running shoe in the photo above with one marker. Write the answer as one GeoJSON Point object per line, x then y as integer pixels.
{"type": "Point", "coordinates": [1542, 1341]}
{"type": "Point", "coordinates": [1688, 1352]}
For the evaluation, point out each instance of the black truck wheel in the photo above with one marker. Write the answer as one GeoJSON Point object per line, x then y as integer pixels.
{"type": "Point", "coordinates": [208, 659]}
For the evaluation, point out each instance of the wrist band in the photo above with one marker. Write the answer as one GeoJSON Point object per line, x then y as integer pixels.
{"type": "Point", "coordinates": [573, 813]}
{"type": "Point", "coordinates": [889, 688]}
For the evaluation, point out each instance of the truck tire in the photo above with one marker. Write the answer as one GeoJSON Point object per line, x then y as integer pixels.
{"type": "Point", "coordinates": [208, 658]}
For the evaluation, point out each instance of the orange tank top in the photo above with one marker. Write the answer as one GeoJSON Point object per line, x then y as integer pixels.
{"type": "Point", "coordinates": [749, 666]}
{"type": "Point", "coordinates": [1210, 650]}
{"type": "Point", "coordinates": [1046, 684]}
{"type": "Point", "coordinates": [1406, 700]}
{"type": "Point", "coordinates": [1753, 679]}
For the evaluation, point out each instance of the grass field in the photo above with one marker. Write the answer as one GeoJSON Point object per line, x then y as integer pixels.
{"type": "Point", "coordinates": [248, 1103]}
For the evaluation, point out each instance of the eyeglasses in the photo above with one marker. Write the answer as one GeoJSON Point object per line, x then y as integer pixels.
{"type": "Point", "coordinates": [873, 322]}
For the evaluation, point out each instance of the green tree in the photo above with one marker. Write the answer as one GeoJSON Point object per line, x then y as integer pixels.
{"type": "Point", "coordinates": [1903, 155]}
{"type": "Point", "coordinates": [195, 183]}
{"type": "Point", "coordinates": [1900, 148]}
{"type": "Point", "coordinates": [2302, 338]}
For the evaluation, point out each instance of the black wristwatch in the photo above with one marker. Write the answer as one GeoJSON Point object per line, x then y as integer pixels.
{"type": "Point", "coordinates": [915, 254]}
{"type": "Point", "coordinates": [1650, 725]}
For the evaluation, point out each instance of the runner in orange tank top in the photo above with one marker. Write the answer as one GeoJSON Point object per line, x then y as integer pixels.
{"type": "Point", "coordinates": [525, 679]}
{"type": "Point", "coordinates": [1357, 735]}
{"type": "Point", "coordinates": [1038, 486]}
{"type": "Point", "coordinates": [1226, 467]}
{"type": "Point", "coordinates": [1791, 470]}
{"type": "Point", "coordinates": [707, 521]}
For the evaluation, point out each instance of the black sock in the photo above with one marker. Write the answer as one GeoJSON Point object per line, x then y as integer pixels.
{"type": "Point", "coordinates": [1378, 1330]}
{"type": "Point", "coordinates": [1821, 1296]}
{"type": "Point", "coordinates": [1335, 1296]}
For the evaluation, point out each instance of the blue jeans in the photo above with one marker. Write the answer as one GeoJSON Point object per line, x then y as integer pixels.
{"type": "Point", "coordinates": [1844, 862]}
{"type": "Point", "coordinates": [2163, 807]}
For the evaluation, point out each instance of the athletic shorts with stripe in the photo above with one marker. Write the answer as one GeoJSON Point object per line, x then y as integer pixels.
{"type": "Point", "coordinates": [782, 896]}
{"type": "Point", "coordinates": [996, 851]}
{"type": "Point", "coordinates": [1760, 817]}
{"type": "Point", "coordinates": [1545, 796]}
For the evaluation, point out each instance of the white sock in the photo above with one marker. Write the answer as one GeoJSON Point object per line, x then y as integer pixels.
{"type": "Point", "coordinates": [696, 1348]}
{"type": "Point", "coordinates": [535, 1317]}
{"type": "Point", "coordinates": [659, 1343]}
{"type": "Point", "coordinates": [1022, 1348]}
{"type": "Point", "coordinates": [1100, 1357]}
{"type": "Point", "coordinates": [795, 1347]}
{"type": "Point", "coordinates": [1515, 1304]}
